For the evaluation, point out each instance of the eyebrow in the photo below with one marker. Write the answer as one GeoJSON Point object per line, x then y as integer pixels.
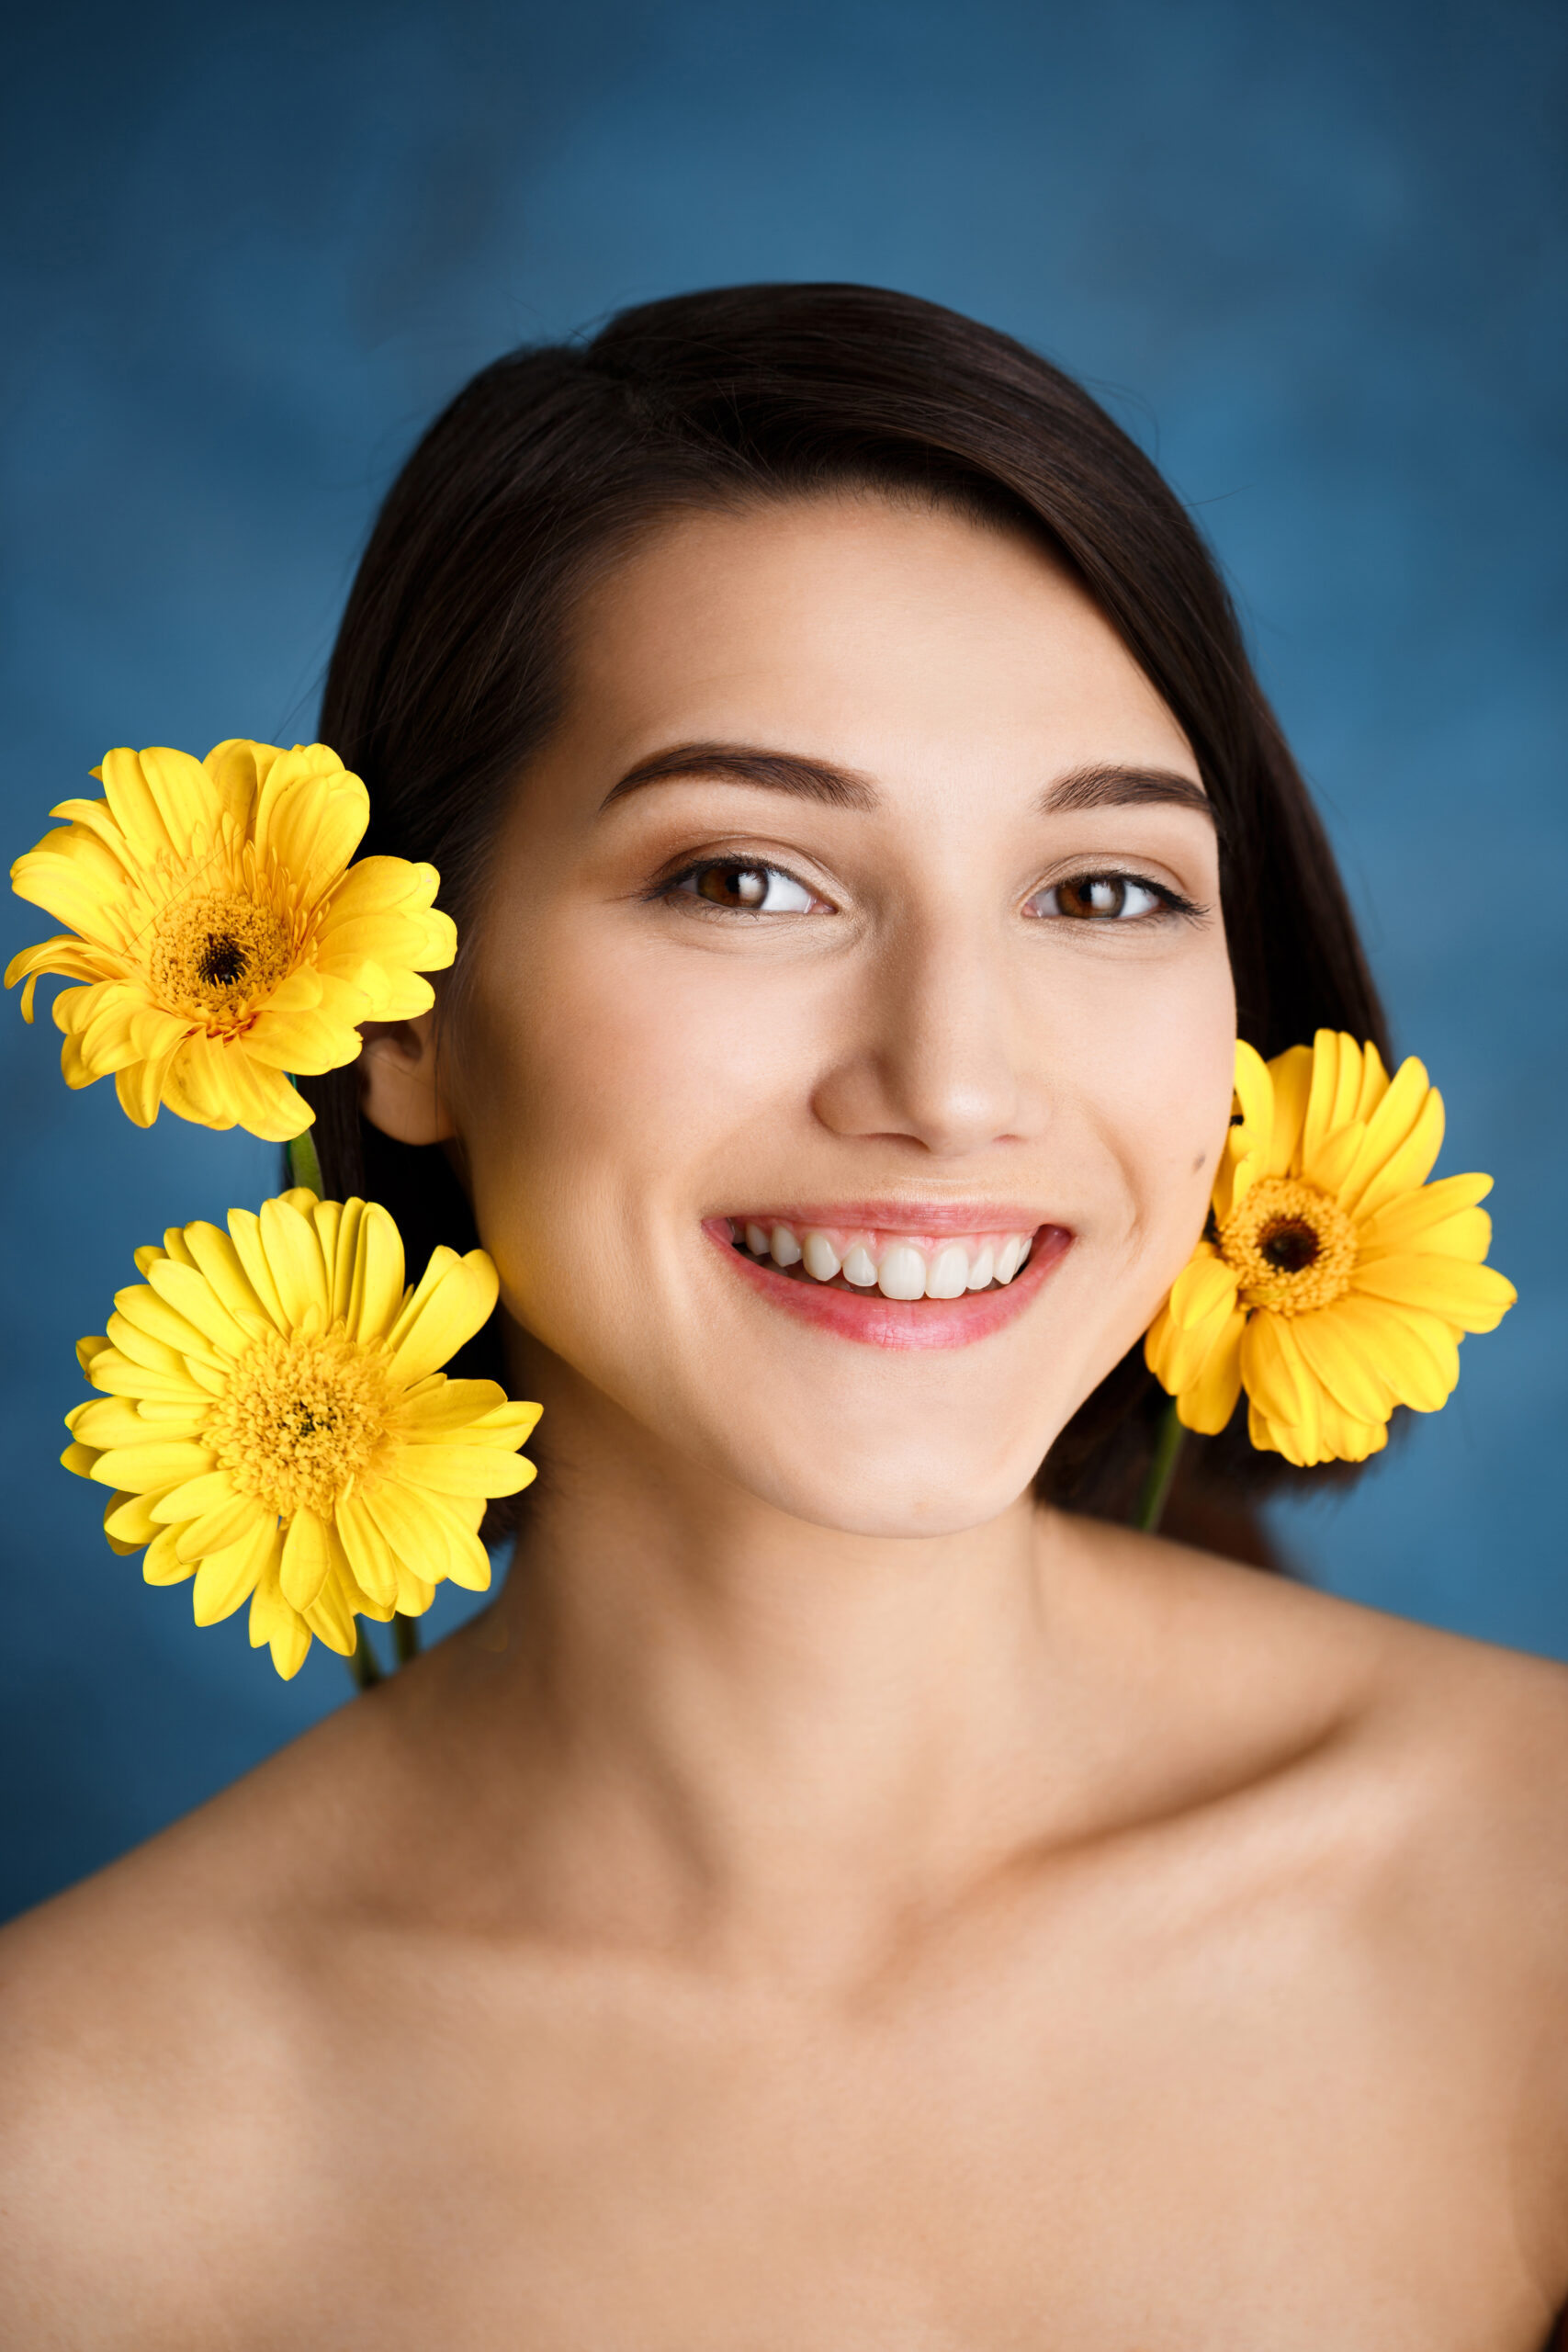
{"type": "Point", "coordinates": [1103, 786]}
{"type": "Point", "coordinates": [741, 763]}
{"type": "Point", "coordinates": [1122, 787]}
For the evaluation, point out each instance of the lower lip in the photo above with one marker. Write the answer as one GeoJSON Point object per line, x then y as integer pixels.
{"type": "Point", "coordinates": [878, 1322]}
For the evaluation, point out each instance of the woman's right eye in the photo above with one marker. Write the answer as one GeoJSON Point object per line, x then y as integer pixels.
{"type": "Point", "coordinates": [749, 890]}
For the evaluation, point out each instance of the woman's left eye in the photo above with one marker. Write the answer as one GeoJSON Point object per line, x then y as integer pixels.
{"type": "Point", "coordinates": [749, 890]}
{"type": "Point", "coordinates": [1102, 897]}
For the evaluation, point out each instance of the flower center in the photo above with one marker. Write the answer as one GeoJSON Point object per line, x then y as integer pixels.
{"type": "Point", "coordinates": [300, 1419]}
{"type": "Point", "coordinates": [213, 956]}
{"type": "Point", "coordinates": [1292, 1247]}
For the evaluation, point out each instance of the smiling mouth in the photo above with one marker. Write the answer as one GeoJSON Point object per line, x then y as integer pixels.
{"type": "Point", "coordinates": [902, 1266]}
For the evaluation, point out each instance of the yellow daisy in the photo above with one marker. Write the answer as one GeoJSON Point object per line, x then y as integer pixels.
{"type": "Point", "coordinates": [275, 1424]}
{"type": "Point", "coordinates": [221, 933]}
{"type": "Point", "coordinates": [1334, 1282]}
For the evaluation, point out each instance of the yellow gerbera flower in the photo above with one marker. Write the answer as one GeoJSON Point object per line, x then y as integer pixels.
{"type": "Point", "coordinates": [1334, 1282]}
{"type": "Point", "coordinates": [275, 1423]}
{"type": "Point", "coordinates": [223, 935]}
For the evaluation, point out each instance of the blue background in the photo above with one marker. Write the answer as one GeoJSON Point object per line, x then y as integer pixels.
{"type": "Point", "coordinates": [1311, 256]}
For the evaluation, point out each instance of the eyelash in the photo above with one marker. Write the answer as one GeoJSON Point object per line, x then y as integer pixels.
{"type": "Point", "coordinates": [1171, 902]}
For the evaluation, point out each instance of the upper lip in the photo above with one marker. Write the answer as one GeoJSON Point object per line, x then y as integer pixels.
{"type": "Point", "coordinates": [931, 1217]}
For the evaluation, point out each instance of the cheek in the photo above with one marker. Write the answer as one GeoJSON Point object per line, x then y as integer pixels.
{"type": "Point", "coordinates": [599, 1082]}
{"type": "Point", "coordinates": [1164, 1099]}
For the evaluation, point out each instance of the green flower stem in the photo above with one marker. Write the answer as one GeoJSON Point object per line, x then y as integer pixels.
{"type": "Point", "coordinates": [405, 1637]}
{"type": "Point", "coordinates": [304, 1167]}
{"type": "Point", "coordinates": [1162, 1472]}
{"type": "Point", "coordinates": [363, 1664]}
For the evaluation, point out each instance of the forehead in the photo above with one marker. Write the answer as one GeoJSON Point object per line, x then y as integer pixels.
{"type": "Point", "coordinates": [880, 633]}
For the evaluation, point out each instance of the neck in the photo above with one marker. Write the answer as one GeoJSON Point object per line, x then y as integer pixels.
{"type": "Point", "coordinates": [753, 1734]}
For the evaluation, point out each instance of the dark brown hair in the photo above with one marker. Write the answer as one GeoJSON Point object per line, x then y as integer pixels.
{"type": "Point", "coordinates": [447, 672]}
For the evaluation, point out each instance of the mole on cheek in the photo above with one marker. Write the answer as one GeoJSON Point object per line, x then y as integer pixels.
{"type": "Point", "coordinates": [1199, 1163]}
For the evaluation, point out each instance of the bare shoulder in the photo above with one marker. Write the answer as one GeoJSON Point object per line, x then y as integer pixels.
{"type": "Point", "coordinates": [1441, 1760]}
{"type": "Point", "coordinates": [1416, 1784]}
{"type": "Point", "coordinates": [157, 2040]}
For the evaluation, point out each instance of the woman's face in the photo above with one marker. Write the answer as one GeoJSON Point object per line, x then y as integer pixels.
{"type": "Point", "coordinates": [866, 904]}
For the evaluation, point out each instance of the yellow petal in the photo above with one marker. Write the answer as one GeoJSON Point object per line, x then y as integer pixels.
{"type": "Point", "coordinates": [1342, 1438]}
{"type": "Point", "coordinates": [1264, 1438]}
{"type": "Point", "coordinates": [1414, 1351]}
{"type": "Point", "coordinates": [163, 1564]}
{"type": "Point", "coordinates": [1337, 1350]}
{"type": "Point", "coordinates": [222, 1267]}
{"type": "Point", "coordinates": [307, 1557]}
{"type": "Point", "coordinates": [467, 1412]}
{"type": "Point", "coordinates": [312, 817]}
{"type": "Point", "coordinates": [413, 1526]}
{"type": "Point", "coordinates": [1405, 1223]}
{"type": "Point", "coordinates": [191, 1294]}
{"type": "Point", "coordinates": [1275, 1376]}
{"type": "Point", "coordinates": [231, 1523]}
{"type": "Point", "coordinates": [134, 807]}
{"type": "Point", "coordinates": [1159, 1341]}
{"type": "Point", "coordinates": [1474, 1297]}
{"type": "Point", "coordinates": [1335, 1083]}
{"type": "Point", "coordinates": [211, 1488]}
{"type": "Point", "coordinates": [258, 1099]}
{"type": "Point", "coordinates": [182, 794]}
{"type": "Point", "coordinates": [294, 1255]}
{"type": "Point", "coordinates": [370, 1557]}
{"type": "Point", "coordinates": [345, 1251]}
{"type": "Point", "coordinates": [228, 1577]}
{"type": "Point", "coordinates": [1292, 1075]}
{"type": "Point", "coordinates": [237, 768]}
{"type": "Point", "coordinates": [1467, 1235]}
{"type": "Point", "coordinates": [1374, 1084]}
{"type": "Point", "coordinates": [415, 1595]}
{"type": "Point", "coordinates": [454, 1300]}
{"type": "Point", "coordinates": [128, 1520]}
{"type": "Point", "coordinates": [468, 1562]}
{"type": "Point", "coordinates": [71, 887]}
{"type": "Point", "coordinates": [1204, 1286]}
{"type": "Point", "coordinates": [1253, 1098]}
{"type": "Point", "coordinates": [466, 1470]}
{"type": "Point", "coordinates": [140, 1307]}
{"type": "Point", "coordinates": [310, 1043]}
{"type": "Point", "coordinates": [113, 1420]}
{"type": "Point", "coordinates": [244, 1229]}
{"type": "Point", "coordinates": [196, 1086]}
{"type": "Point", "coordinates": [398, 995]}
{"type": "Point", "coordinates": [1383, 1169]}
{"type": "Point", "coordinates": [330, 1616]}
{"type": "Point", "coordinates": [274, 1622]}
{"type": "Point", "coordinates": [376, 1289]}
{"type": "Point", "coordinates": [138, 1467]}
{"type": "Point", "coordinates": [1206, 1405]}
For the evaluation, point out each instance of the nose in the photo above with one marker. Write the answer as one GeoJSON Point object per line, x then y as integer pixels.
{"type": "Point", "coordinates": [932, 1051]}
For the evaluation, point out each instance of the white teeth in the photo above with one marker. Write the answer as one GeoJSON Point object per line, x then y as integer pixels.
{"type": "Point", "coordinates": [945, 1269]}
{"type": "Point", "coordinates": [902, 1273]}
{"type": "Point", "coordinates": [860, 1267]}
{"type": "Point", "coordinates": [822, 1260]}
{"type": "Point", "coordinates": [947, 1276]}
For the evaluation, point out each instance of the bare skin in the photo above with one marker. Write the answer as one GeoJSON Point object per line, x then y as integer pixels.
{"type": "Point", "coordinates": [828, 1901]}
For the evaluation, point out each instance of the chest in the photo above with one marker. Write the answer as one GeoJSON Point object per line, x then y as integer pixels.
{"type": "Point", "coordinates": [1212, 2155]}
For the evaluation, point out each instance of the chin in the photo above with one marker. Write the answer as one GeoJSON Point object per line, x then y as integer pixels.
{"type": "Point", "coordinates": [909, 1491]}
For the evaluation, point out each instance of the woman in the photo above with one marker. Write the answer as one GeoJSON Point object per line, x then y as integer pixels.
{"type": "Point", "coordinates": [849, 1891]}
